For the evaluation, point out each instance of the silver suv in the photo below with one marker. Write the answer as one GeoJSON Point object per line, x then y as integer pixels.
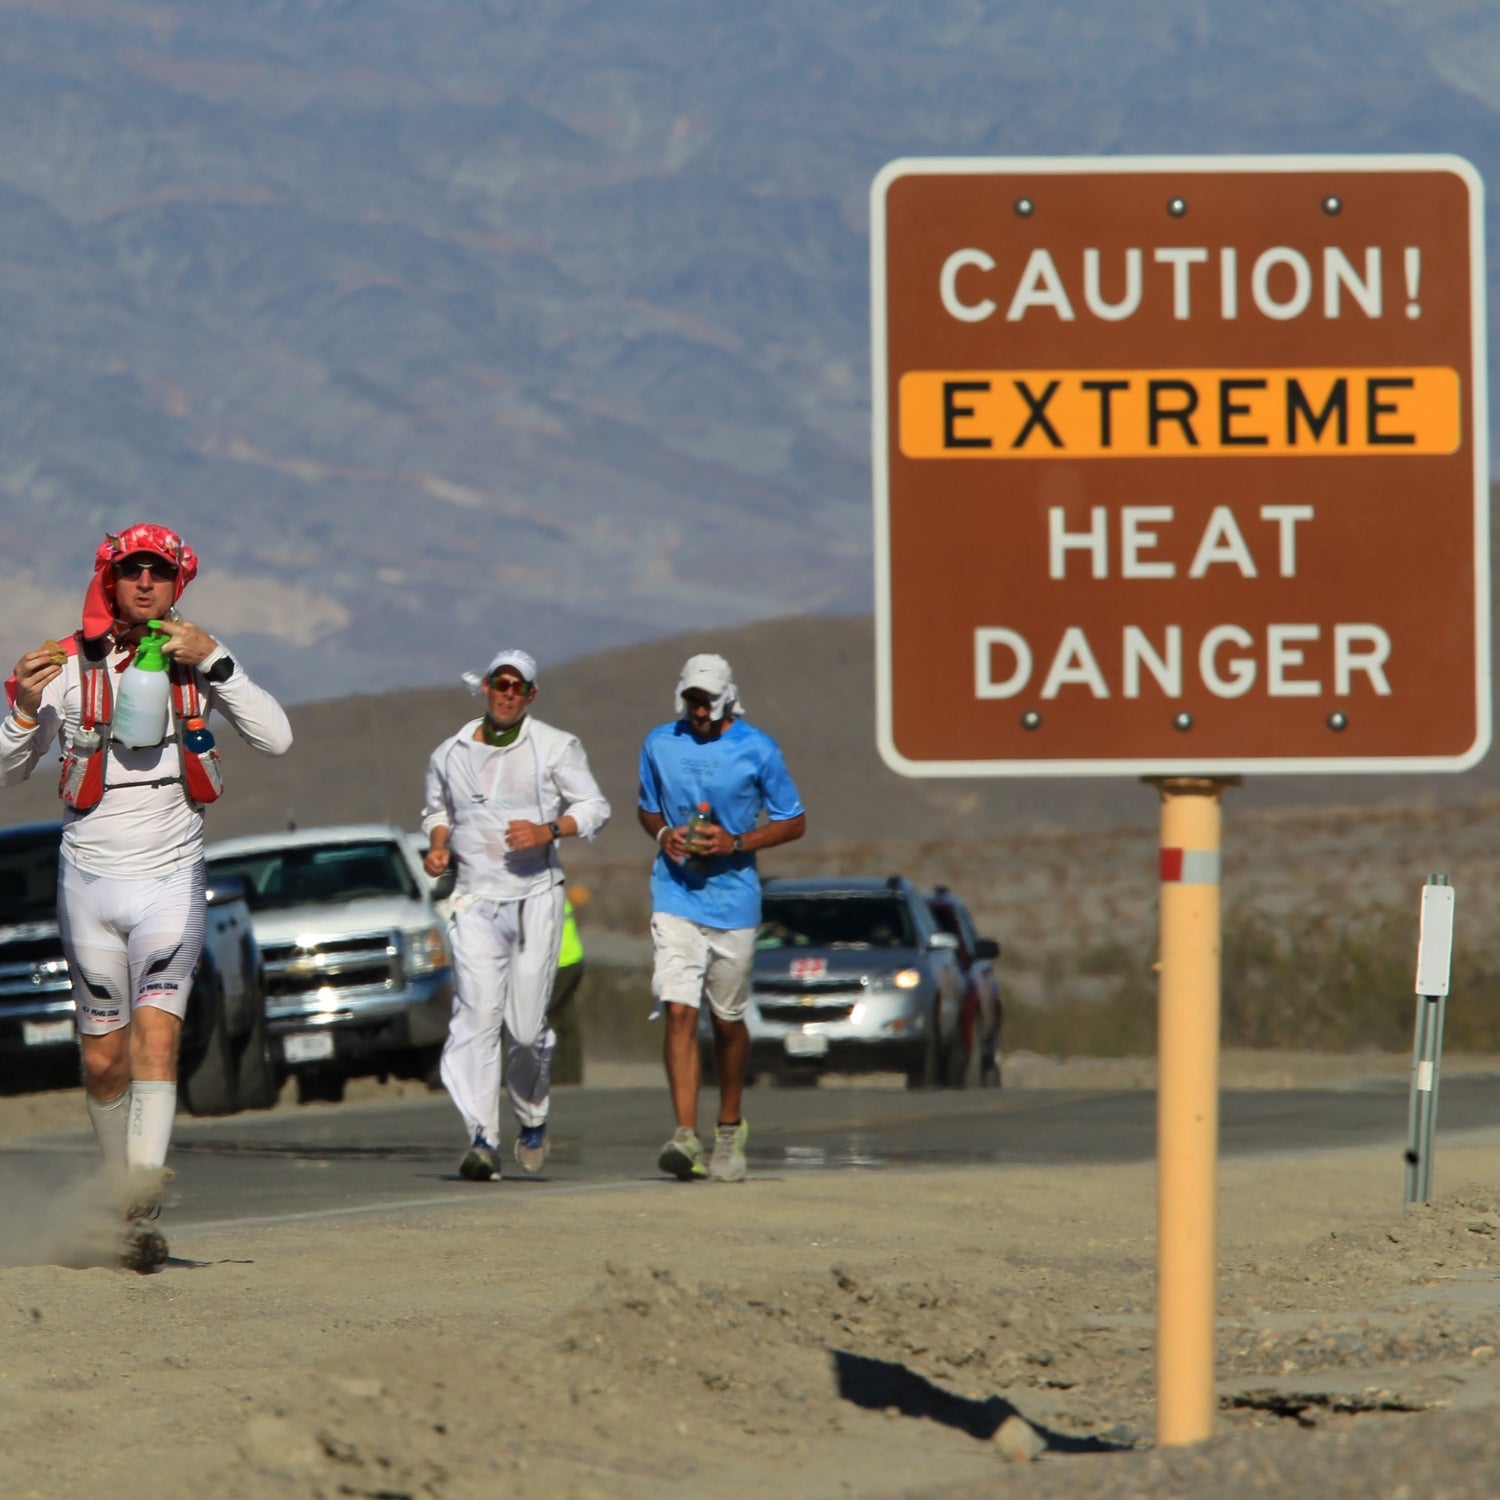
{"type": "Point", "coordinates": [851, 975]}
{"type": "Point", "coordinates": [358, 978]}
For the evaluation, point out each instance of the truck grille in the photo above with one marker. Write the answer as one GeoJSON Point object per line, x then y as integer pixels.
{"type": "Point", "coordinates": [33, 969]}
{"type": "Point", "coordinates": [368, 960]}
{"type": "Point", "coordinates": [30, 950]}
{"type": "Point", "coordinates": [797, 1015]}
{"type": "Point", "coordinates": [828, 984]}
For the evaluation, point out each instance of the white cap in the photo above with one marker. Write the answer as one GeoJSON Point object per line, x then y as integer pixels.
{"type": "Point", "coordinates": [512, 656]}
{"type": "Point", "coordinates": [712, 675]}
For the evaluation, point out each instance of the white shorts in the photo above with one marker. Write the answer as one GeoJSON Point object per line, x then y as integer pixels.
{"type": "Point", "coordinates": [694, 962]}
{"type": "Point", "coordinates": [130, 942]}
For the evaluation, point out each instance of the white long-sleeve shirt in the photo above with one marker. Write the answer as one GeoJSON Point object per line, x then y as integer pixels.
{"type": "Point", "coordinates": [475, 790]}
{"type": "Point", "coordinates": [138, 831]}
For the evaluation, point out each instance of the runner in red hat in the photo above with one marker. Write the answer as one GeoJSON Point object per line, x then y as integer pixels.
{"type": "Point", "coordinates": [130, 903]}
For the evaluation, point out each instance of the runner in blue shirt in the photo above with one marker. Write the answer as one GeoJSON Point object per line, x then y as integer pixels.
{"type": "Point", "coordinates": [705, 894]}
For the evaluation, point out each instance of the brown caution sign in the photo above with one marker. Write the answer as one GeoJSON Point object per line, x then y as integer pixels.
{"type": "Point", "coordinates": [1180, 465]}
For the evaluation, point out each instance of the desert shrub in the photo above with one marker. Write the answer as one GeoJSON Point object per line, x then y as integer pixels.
{"type": "Point", "coordinates": [1101, 1003]}
{"type": "Point", "coordinates": [1119, 1027]}
{"type": "Point", "coordinates": [1342, 981]}
{"type": "Point", "coordinates": [1313, 980]}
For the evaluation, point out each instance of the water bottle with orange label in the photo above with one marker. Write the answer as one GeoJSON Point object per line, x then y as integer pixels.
{"type": "Point", "coordinates": [701, 819]}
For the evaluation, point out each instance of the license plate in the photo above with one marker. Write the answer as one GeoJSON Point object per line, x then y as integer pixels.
{"type": "Point", "coordinates": [806, 1044]}
{"type": "Point", "coordinates": [46, 1033]}
{"type": "Point", "coordinates": [307, 1046]}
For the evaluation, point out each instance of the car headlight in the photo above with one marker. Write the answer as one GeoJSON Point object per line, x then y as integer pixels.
{"type": "Point", "coordinates": [426, 951]}
{"type": "Point", "coordinates": [906, 979]}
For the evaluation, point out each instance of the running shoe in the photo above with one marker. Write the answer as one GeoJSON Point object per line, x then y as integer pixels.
{"type": "Point", "coordinates": [145, 1247]}
{"type": "Point", "coordinates": [482, 1161]}
{"type": "Point", "coordinates": [682, 1156]}
{"type": "Point", "coordinates": [728, 1162]}
{"type": "Point", "coordinates": [532, 1147]}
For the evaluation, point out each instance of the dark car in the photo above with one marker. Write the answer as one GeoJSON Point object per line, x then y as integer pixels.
{"type": "Point", "coordinates": [978, 1056]}
{"type": "Point", "coordinates": [851, 975]}
{"type": "Point", "coordinates": [225, 1061]}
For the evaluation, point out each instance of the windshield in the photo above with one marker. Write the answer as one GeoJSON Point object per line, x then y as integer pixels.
{"type": "Point", "coordinates": [945, 917]}
{"type": "Point", "coordinates": [319, 874]}
{"type": "Point", "coordinates": [878, 920]}
{"type": "Point", "coordinates": [28, 876]}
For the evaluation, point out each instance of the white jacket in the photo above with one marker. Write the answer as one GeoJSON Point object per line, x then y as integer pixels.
{"type": "Point", "coordinates": [475, 790]}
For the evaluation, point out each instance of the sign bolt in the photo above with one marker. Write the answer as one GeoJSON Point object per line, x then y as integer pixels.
{"type": "Point", "coordinates": [1177, 207]}
{"type": "Point", "coordinates": [1332, 204]}
{"type": "Point", "coordinates": [1338, 722]}
{"type": "Point", "coordinates": [1182, 722]}
{"type": "Point", "coordinates": [1031, 719]}
{"type": "Point", "coordinates": [1024, 208]}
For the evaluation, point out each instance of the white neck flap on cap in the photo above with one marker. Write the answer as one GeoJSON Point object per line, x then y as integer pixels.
{"type": "Point", "coordinates": [522, 661]}
{"type": "Point", "coordinates": [710, 674]}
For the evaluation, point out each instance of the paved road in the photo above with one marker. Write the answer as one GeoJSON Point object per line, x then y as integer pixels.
{"type": "Point", "coordinates": [348, 1159]}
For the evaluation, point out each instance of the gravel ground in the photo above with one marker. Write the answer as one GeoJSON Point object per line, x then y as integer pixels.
{"type": "Point", "coordinates": [946, 1333]}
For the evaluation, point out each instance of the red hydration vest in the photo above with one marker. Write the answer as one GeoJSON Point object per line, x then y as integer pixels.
{"type": "Point", "coordinates": [81, 784]}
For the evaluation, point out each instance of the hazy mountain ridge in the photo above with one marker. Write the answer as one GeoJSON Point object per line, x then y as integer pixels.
{"type": "Point", "coordinates": [445, 323]}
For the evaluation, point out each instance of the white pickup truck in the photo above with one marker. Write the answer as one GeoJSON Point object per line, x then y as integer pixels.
{"type": "Point", "coordinates": [358, 977]}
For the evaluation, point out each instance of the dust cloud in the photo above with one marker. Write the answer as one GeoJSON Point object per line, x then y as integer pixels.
{"type": "Point", "coordinates": [75, 1224]}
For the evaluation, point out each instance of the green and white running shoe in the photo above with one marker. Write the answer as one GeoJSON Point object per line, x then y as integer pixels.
{"type": "Point", "coordinates": [728, 1163]}
{"type": "Point", "coordinates": [682, 1156]}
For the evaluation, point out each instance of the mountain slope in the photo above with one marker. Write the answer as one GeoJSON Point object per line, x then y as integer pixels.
{"type": "Point", "coordinates": [428, 322]}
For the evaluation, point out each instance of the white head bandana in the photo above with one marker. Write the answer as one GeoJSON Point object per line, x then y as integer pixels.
{"type": "Point", "coordinates": [520, 660]}
{"type": "Point", "coordinates": [712, 675]}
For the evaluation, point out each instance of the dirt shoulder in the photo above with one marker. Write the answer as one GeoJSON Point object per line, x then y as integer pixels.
{"type": "Point", "coordinates": [841, 1334]}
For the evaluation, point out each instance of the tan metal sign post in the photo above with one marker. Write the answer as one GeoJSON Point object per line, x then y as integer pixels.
{"type": "Point", "coordinates": [1180, 472]}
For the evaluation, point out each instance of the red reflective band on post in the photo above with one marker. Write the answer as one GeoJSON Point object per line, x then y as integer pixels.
{"type": "Point", "coordinates": [1190, 866]}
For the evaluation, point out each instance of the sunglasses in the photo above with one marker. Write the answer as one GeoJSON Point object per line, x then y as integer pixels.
{"type": "Point", "coordinates": [157, 567]}
{"type": "Point", "coordinates": [509, 685]}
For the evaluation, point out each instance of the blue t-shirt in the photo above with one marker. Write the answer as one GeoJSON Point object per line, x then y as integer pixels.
{"type": "Point", "coordinates": [737, 774]}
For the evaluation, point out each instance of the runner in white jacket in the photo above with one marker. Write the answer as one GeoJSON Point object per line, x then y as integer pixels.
{"type": "Point", "coordinates": [502, 793]}
{"type": "Point", "coordinates": [130, 884]}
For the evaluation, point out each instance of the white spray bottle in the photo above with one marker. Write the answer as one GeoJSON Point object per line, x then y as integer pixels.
{"type": "Point", "coordinates": [143, 693]}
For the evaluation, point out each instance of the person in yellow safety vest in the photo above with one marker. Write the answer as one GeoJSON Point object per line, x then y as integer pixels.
{"type": "Point", "coordinates": [562, 1012]}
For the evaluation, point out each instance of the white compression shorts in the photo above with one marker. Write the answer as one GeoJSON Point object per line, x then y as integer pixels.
{"type": "Point", "coordinates": [694, 963]}
{"type": "Point", "coordinates": [130, 942]}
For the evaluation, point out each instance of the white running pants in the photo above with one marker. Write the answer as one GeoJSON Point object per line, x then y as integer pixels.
{"type": "Point", "coordinates": [504, 962]}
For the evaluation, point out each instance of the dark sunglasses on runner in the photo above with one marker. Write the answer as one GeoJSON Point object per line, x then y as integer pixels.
{"type": "Point", "coordinates": [510, 685]}
{"type": "Point", "coordinates": [131, 568]}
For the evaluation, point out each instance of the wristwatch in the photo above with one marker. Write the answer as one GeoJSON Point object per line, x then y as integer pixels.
{"type": "Point", "coordinates": [556, 833]}
{"type": "Point", "coordinates": [221, 671]}
{"type": "Point", "coordinates": [739, 843]}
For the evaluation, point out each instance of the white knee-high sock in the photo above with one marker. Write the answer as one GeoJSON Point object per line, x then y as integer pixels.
{"type": "Point", "coordinates": [153, 1102]}
{"type": "Point", "coordinates": [111, 1119]}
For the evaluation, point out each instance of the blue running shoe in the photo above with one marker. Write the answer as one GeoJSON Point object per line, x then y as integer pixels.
{"type": "Point", "coordinates": [482, 1161]}
{"type": "Point", "coordinates": [532, 1147]}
